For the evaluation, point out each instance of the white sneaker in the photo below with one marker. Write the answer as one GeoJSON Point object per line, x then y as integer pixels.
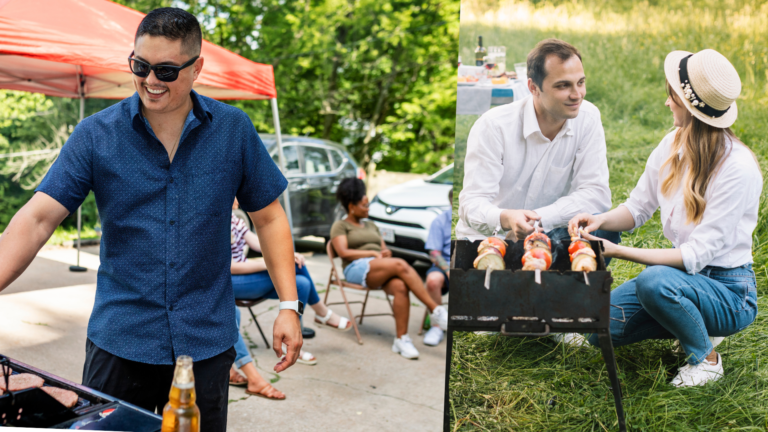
{"type": "Point", "coordinates": [404, 346]}
{"type": "Point", "coordinates": [572, 339]}
{"type": "Point", "coordinates": [440, 317]}
{"type": "Point", "coordinates": [433, 336]}
{"type": "Point", "coordinates": [700, 374]}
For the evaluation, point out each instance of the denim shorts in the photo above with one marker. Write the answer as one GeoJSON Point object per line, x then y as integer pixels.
{"type": "Point", "coordinates": [357, 271]}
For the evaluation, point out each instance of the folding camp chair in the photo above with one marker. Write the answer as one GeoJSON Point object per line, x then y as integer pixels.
{"type": "Point", "coordinates": [249, 304]}
{"type": "Point", "coordinates": [335, 279]}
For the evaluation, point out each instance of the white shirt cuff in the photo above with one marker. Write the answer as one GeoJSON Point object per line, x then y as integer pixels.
{"type": "Point", "coordinates": [690, 261]}
{"type": "Point", "coordinates": [550, 217]}
{"type": "Point", "coordinates": [493, 219]}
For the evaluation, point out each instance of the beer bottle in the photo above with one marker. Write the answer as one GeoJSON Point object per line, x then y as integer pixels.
{"type": "Point", "coordinates": [180, 413]}
{"type": "Point", "coordinates": [480, 52]}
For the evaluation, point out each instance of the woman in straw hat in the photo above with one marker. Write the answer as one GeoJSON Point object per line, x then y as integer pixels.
{"type": "Point", "coordinates": [708, 185]}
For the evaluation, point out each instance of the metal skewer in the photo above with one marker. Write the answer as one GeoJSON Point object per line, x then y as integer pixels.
{"type": "Point", "coordinates": [537, 273]}
{"type": "Point", "coordinates": [487, 284]}
{"type": "Point", "coordinates": [586, 279]}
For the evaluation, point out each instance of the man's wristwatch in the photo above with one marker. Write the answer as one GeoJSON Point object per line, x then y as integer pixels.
{"type": "Point", "coordinates": [296, 305]}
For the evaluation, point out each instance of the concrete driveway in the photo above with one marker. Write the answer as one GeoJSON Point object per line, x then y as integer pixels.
{"type": "Point", "coordinates": [352, 388]}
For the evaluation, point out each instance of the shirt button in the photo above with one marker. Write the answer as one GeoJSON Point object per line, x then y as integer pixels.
{"type": "Point", "coordinates": [171, 180]}
{"type": "Point", "coordinates": [173, 222]}
{"type": "Point", "coordinates": [173, 265]}
{"type": "Point", "coordinates": [170, 308]}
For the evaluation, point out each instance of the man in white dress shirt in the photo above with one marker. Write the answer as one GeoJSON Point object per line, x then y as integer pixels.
{"type": "Point", "coordinates": [541, 158]}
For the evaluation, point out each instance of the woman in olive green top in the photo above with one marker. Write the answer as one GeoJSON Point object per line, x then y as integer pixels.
{"type": "Point", "coordinates": [367, 261]}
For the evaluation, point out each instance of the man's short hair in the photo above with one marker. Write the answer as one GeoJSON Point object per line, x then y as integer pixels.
{"type": "Point", "coordinates": [538, 56]}
{"type": "Point", "coordinates": [174, 24]}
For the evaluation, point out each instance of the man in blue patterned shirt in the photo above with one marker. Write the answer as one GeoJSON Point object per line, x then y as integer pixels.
{"type": "Point", "coordinates": [165, 166]}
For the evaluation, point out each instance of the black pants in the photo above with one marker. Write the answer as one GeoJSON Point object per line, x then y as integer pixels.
{"type": "Point", "coordinates": [147, 385]}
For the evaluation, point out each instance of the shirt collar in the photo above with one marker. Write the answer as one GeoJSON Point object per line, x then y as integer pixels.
{"type": "Point", "coordinates": [531, 122]}
{"type": "Point", "coordinates": [199, 107]}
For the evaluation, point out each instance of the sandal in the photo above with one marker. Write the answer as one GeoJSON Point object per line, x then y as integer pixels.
{"type": "Point", "coordinates": [344, 324]}
{"type": "Point", "coordinates": [239, 381]}
{"type": "Point", "coordinates": [266, 392]}
{"type": "Point", "coordinates": [305, 358]}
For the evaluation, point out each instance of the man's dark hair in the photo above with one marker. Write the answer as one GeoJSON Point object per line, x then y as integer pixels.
{"type": "Point", "coordinates": [538, 56]}
{"type": "Point", "coordinates": [351, 190]}
{"type": "Point", "coordinates": [174, 24]}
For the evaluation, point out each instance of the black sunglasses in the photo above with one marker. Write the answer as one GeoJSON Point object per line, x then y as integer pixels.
{"type": "Point", "coordinates": [165, 73]}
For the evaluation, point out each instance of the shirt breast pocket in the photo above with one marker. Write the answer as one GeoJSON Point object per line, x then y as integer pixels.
{"type": "Point", "coordinates": [211, 193]}
{"type": "Point", "coordinates": [556, 184]}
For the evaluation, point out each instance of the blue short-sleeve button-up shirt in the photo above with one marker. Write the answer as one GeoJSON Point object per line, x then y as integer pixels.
{"type": "Point", "coordinates": [164, 287]}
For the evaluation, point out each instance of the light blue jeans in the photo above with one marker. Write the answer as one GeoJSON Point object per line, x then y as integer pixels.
{"type": "Point", "coordinates": [667, 303]}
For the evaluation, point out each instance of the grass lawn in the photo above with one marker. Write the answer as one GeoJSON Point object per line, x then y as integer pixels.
{"type": "Point", "coordinates": [531, 384]}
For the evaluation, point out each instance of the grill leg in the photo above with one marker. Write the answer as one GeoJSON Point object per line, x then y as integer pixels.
{"type": "Point", "coordinates": [447, 401]}
{"type": "Point", "coordinates": [610, 363]}
{"type": "Point", "coordinates": [259, 327]}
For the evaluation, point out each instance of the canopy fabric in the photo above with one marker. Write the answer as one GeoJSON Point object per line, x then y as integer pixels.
{"type": "Point", "coordinates": [46, 45]}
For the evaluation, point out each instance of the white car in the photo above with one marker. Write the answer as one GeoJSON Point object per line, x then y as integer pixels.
{"type": "Point", "coordinates": [405, 212]}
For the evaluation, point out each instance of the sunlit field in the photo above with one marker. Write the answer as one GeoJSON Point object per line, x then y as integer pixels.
{"type": "Point", "coordinates": [531, 384]}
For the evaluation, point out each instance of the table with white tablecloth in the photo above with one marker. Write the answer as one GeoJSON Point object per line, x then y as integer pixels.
{"type": "Point", "coordinates": [475, 99]}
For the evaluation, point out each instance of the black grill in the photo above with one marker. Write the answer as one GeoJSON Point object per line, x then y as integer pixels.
{"type": "Point", "coordinates": [515, 305]}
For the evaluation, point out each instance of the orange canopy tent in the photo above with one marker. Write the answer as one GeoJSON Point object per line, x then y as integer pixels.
{"type": "Point", "coordinates": [80, 48]}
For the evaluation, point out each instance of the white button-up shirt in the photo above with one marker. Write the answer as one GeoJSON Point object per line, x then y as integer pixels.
{"type": "Point", "coordinates": [510, 164]}
{"type": "Point", "coordinates": [724, 236]}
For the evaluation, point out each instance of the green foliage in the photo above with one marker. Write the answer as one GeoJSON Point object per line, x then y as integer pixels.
{"type": "Point", "coordinates": [376, 76]}
{"type": "Point", "coordinates": [501, 383]}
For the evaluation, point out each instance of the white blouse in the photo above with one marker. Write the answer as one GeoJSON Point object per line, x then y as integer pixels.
{"type": "Point", "coordinates": [724, 236]}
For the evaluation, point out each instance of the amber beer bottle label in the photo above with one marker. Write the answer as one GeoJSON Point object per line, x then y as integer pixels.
{"type": "Point", "coordinates": [181, 414]}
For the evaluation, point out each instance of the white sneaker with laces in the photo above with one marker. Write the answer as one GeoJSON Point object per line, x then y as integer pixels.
{"type": "Point", "coordinates": [433, 336]}
{"type": "Point", "coordinates": [440, 317]}
{"type": "Point", "coordinates": [404, 346]}
{"type": "Point", "coordinates": [690, 375]}
{"type": "Point", "coordinates": [572, 339]}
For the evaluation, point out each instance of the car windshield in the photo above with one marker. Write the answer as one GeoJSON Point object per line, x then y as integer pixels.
{"type": "Point", "coordinates": [445, 177]}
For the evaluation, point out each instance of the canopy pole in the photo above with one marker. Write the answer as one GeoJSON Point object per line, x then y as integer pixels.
{"type": "Point", "coordinates": [281, 159]}
{"type": "Point", "coordinates": [81, 91]}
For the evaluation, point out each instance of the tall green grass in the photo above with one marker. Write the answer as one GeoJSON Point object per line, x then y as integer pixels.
{"type": "Point", "coordinates": [498, 383]}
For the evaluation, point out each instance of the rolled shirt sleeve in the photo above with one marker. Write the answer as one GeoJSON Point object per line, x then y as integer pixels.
{"type": "Point", "coordinates": [70, 178]}
{"type": "Point", "coordinates": [484, 159]}
{"type": "Point", "coordinates": [643, 200]}
{"type": "Point", "coordinates": [589, 191]}
{"type": "Point", "coordinates": [262, 181]}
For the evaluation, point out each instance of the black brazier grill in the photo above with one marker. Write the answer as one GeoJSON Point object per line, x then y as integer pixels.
{"type": "Point", "coordinates": [94, 410]}
{"type": "Point", "coordinates": [515, 305]}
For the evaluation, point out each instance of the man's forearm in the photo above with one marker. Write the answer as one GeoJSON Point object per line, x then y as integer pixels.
{"type": "Point", "coordinates": [277, 247]}
{"type": "Point", "coordinates": [19, 245]}
{"type": "Point", "coordinates": [437, 259]}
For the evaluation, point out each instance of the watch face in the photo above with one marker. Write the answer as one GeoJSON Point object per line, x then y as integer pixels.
{"type": "Point", "coordinates": [301, 307]}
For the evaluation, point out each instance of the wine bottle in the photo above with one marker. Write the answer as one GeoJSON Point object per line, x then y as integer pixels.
{"type": "Point", "coordinates": [480, 52]}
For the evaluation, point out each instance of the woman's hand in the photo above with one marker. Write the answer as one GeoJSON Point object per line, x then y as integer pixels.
{"type": "Point", "coordinates": [386, 253]}
{"type": "Point", "coordinates": [299, 259]}
{"type": "Point", "coordinates": [611, 250]}
{"type": "Point", "coordinates": [375, 254]}
{"type": "Point", "coordinates": [589, 223]}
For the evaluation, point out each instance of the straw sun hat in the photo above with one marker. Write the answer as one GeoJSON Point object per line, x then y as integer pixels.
{"type": "Point", "coordinates": [707, 83]}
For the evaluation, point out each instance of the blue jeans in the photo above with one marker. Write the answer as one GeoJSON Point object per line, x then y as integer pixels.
{"type": "Point", "coordinates": [559, 234]}
{"type": "Point", "coordinates": [257, 285]}
{"type": "Point", "coordinates": [666, 303]}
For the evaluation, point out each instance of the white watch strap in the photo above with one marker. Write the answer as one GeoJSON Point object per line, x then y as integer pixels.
{"type": "Point", "coordinates": [292, 305]}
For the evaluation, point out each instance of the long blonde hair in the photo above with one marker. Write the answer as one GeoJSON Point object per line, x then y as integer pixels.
{"type": "Point", "coordinates": [704, 149]}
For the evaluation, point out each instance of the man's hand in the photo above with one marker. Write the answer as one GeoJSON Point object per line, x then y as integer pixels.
{"type": "Point", "coordinates": [287, 330]}
{"type": "Point", "coordinates": [519, 222]}
{"type": "Point", "coordinates": [386, 253]}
